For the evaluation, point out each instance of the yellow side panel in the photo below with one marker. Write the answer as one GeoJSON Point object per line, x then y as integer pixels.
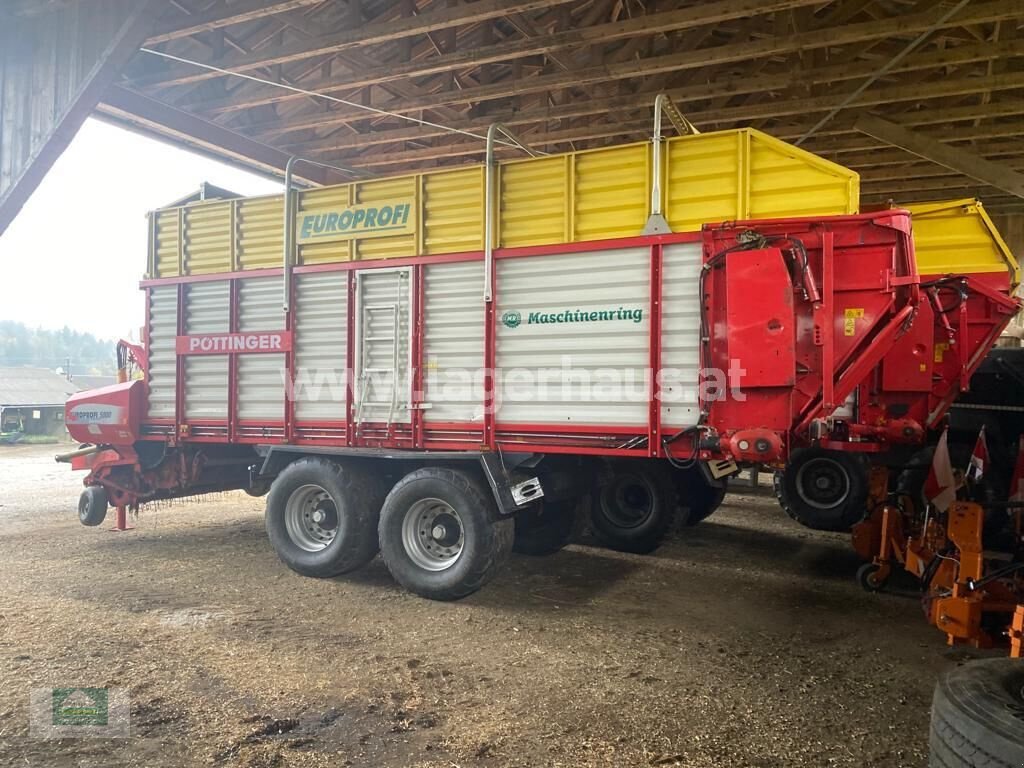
{"type": "Point", "coordinates": [611, 192]}
{"type": "Point", "coordinates": [325, 197]}
{"type": "Point", "coordinates": [208, 238]}
{"type": "Point", "coordinates": [453, 211]}
{"type": "Point", "coordinates": [788, 181]}
{"type": "Point", "coordinates": [535, 202]}
{"type": "Point", "coordinates": [167, 244]}
{"type": "Point", "coordinates": [746, 174]}
{"type": "Point", "coordinates": [703, 180]}
{"type": "Point", "coordinates": [957, 236]}
{"type": "Point", "coordinates": [384, 191]}
{"type": "Point", "coordinates": [589, 195]}
{"type": "Point", "coordinates": [260, 232]}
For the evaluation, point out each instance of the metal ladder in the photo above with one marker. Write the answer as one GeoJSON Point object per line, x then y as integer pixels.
{"type": "Point", "coordinates": [367, 372]}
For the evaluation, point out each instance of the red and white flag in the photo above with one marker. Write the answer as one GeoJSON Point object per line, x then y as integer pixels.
{"type": "Point", "coordinates": [979, 458]}
{"type": "Point", "coordinates": [1017, 481]}
{"type": "Point", "coordinates": [940, 487]}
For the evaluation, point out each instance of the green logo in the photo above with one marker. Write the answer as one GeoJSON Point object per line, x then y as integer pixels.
{"type": "Point", "coordinates": [80, 706]}
{"type": "Point", "coordinates": [511, 319]}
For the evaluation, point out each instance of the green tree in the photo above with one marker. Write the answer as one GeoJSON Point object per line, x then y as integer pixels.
{"type": "Point", "coordinates": [41, 348]}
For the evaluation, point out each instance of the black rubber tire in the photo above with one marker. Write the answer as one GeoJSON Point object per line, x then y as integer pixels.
{"type": "Point", "coordinates": [614, 526]}
{"type": "Point", "coordinates": [978, 716]}
{"type": "Point", "coordinates": [847, 511]}
{"type": "Point", "coordinates": [698, 499]}
{"type": "Point", "coordinates": [867, 578]}
{"type": "Point", "coordinates": [545, 528]}
{"type": "Point", "coordinates": [92, 506]}
{"type": "Point", "coordinates": [258, 490]}
{"type": "Point", "coordinates": [357, 501]}
{"type": "Point", "coordinates": [487, 539]}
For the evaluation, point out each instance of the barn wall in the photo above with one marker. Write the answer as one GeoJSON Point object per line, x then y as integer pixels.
{"type": "Point", "coordinates": [54, 67]}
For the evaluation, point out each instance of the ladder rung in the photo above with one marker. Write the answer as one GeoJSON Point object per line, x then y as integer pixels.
{"type": "Point", "coordinates": [378, 338]}
{"type": "Point", "coordinates": [378, 370]}
{"type": "Point", "coordinates": [377, 404]}
{"type": "Point", "coordinates": [379, 307]}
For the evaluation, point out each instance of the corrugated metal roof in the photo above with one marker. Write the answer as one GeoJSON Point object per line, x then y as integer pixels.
{"type": "Point", "coordinates": [82, 383]}
{"type": "Point", "coordinates": [33, 386]}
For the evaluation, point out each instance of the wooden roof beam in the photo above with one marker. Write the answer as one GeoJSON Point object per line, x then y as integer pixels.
{"type": "Point", "coordinates": [371, 33]}
{"type": "Point", "coordinates": [726, 116]}
{"type": "Point", "coordinates": [882, 156]}
{"type": "Point", "coordinates": [624, 131]}
{"type": "Point", "coordinates": [656, 23]}
{"type": "Point", "coordinates": [959, 159]}
{"type": "Point", "coordinates": [147, 115]}
{"type": "Point", "coordinates": [1007, 108]}
{"type": "Point", "coordinates": [646, 67]}
{"type": "Point", "coordinates": [222, 16]}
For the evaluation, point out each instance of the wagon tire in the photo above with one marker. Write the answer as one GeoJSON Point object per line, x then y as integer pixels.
{"type": "Point", "coordinates": [823, 490]}
{"type": "Point", "coordinates": [698, 499]}
{"type": "Point", "coordinates": [92, 506]}
{"type": "Point", "coordinates": [634, 506]}
{"type": "Point", "coordinates": [546, 528]}
{"type": "Point", "coordinates": [978, 716]}
{"type": "Point", "coordinates": [322, 517]}
{"type": "Point", "coordinates": [440, 534]}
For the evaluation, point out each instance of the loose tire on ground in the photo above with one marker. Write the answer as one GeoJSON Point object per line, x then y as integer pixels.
{"type": "Point", "coordinates": [440, 534]}
{"type": "Point", "coordinates": [634, 506]}
{"type": "Point", "coordinates": [978, 716]}
{"type": "Point", "coordinates": [92, 506]}
{"type": "Point", "coordinates": [698, 499]}
{"type": "Point", "coordinates": [545, 528]}
{"type": "Point", "coordinates": [824, 490]}
{"type": "Point", "coordinates": [322, 517]}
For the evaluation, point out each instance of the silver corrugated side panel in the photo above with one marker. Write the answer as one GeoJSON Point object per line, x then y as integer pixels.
{"type": "Point", "coordinates": [453, 342]}
{"type": "Point", "coordinates": [163, 330]}
{"type": "Point", "coordinates": [680, 330]}
{"type": "Point", "coordinates": [572, 338]}
{"type": "Point", "coordinates": [321, 346]}
{"type": "Point", "coordinates": [261, 377]}
{"type": "Point", "coordinates": [207, 310]}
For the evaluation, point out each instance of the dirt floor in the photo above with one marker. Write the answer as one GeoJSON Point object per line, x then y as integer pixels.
{"type": "Point", "coordinates": [742, 642]}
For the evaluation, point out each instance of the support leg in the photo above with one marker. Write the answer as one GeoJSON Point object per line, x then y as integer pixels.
{"type": "Point", "coordinates": [121, 521]}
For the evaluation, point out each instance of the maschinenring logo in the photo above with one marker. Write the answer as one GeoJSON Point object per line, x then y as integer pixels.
{"type": "Point", "coordinates": [80, 706]}
{"type": "Point", "coordinates": [511, 319]}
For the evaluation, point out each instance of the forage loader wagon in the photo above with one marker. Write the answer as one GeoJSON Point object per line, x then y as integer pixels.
{"type": "Point", "coordinates": [442, 365]}
{"type": "Point", "coordinates": [968, 278]}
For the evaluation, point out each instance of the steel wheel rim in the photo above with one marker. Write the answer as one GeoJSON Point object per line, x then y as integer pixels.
{"type": "Point", "coordinates": [630, 502]}
{"type": "Point", "coordinates": [823, 483]}
{"type": "Point", "coordinates": [433, 534]}
{"type": "Point", "coordinates": [311, 518]}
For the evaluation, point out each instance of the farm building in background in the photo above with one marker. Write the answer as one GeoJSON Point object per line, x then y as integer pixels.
{"type": "Point", "coordinates": [32, 401]}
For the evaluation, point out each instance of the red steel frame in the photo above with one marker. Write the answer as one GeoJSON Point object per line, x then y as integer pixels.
{"type": "Point", "coordinates": [420, 433]}
{"type": "Point", "coordinates": [644, 439]}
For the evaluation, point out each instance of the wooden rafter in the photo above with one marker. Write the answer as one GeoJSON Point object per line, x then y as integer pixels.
{"type": "Point", "coordinates": [959, 160]}
{"type": "Point", "coordinates": [584, 73]}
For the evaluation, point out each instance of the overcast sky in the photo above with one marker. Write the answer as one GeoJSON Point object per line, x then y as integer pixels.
{"type": "Point", "coordinates": [76, 252]}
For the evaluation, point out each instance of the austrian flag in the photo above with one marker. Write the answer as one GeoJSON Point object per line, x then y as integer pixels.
{"type": "Point", "coordinates": [940, 487]}
{"type": "Point", "coordinates": [1017, 481]}
{"type": "Point", "coordinates": [979, 458]}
